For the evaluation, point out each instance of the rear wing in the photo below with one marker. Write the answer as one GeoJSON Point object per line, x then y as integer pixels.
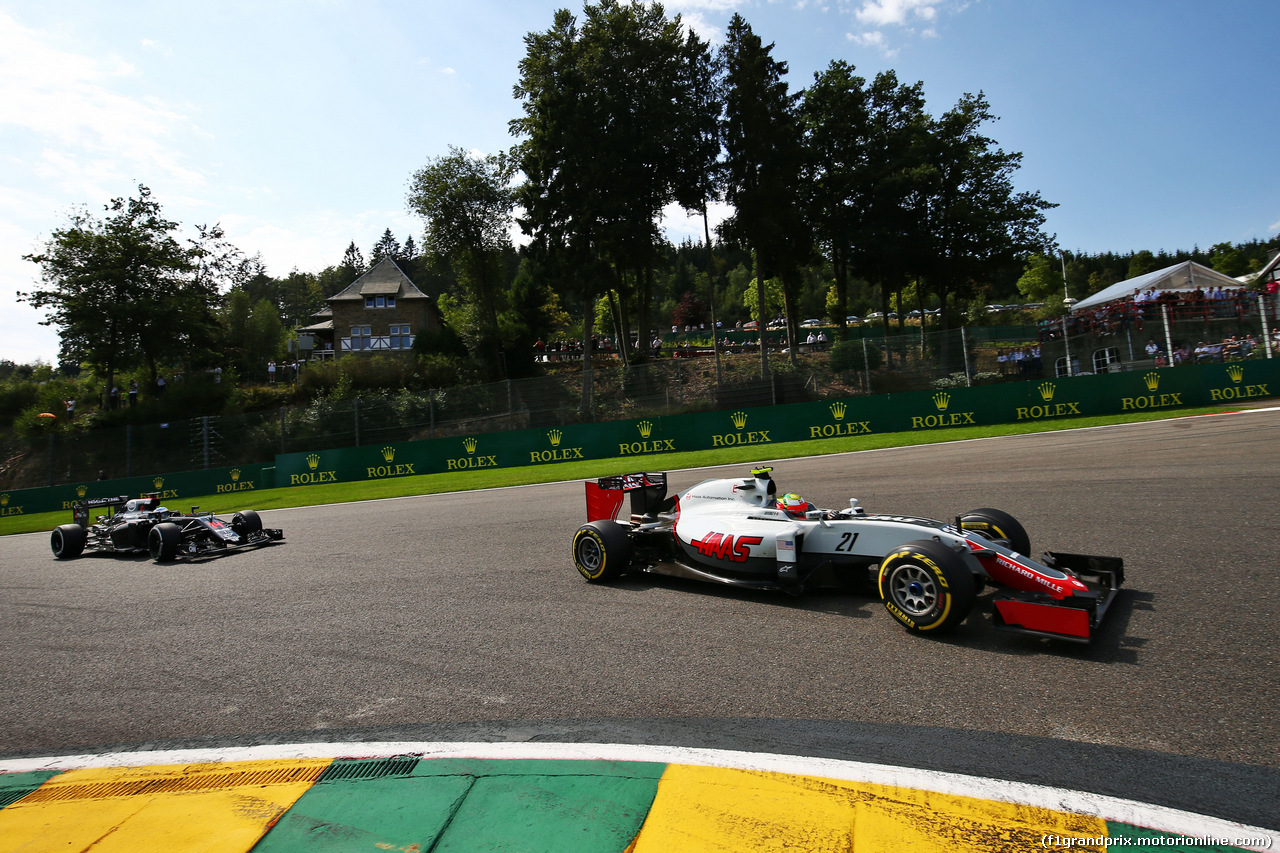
{"type": "Point", "coordinates": [80, 509]}
{"type": "Point", "coordinates": [604, 496]}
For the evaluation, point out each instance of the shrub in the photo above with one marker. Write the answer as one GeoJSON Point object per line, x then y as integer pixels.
{"type": "Point", "coordinates": [850, 355]}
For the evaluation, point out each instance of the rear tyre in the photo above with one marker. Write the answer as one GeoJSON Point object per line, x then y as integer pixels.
{"type": "Point", "coordinates": [245, 522]}
{"type": "Point", "coordinates": [601, 550]}
{"type": "Point", "coordinates": [163, 541]}
{"type": "Point", "coordinates": [926, 587]}
{"type": "Point", "coordinates": [998, 526]}
{"type": "Point", "coordinates": [67, 541]}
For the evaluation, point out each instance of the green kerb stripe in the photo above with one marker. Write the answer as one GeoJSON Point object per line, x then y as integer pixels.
{"type": "Point", "coordinates": [470, 804]}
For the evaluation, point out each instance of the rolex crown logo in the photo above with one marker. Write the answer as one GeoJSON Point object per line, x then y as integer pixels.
{"type": "Point", "coordinates": [470, 444]}
{"type": "Point", "coordinates": [645, 428]}
{"type": "Point", "coordinates": [1152, 380]}
{"type": "Point", "coordinates": [313, 461]}
{"type": "Point", "coordinates": [81, 491]}
{"type": "Point", "coordinates": [739, 419]}
{"type": "Point", "coordinates": [554, 437]}
{"type": "Point", "coordinates": [1236, 372]}
{"type": "Point", "coordinates": [235, 475]}
{"type": "Point", "coordinates": [1046, 390]}
{"type": "Point", "coordinates": [389, 453]}
{"type": "Point", "coordinates": [942, 399]}
{"type": "Point", "coordinates": [4, 500]}
{"type": "Point", "coordinates": [158, 482]}
{"type": "Point", "coordinates": [838, 410]}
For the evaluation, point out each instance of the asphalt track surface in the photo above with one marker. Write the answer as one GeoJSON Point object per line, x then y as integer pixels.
{"type": "Point", "coordinates": [460, 618]}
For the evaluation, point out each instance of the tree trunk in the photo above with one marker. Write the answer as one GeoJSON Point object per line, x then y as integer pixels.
{"type": "Point", "coordinates": [761, 323]}
{"type": "Point", "coordinates": [588, 323]}
{"type": "Point", "coordinates": [711, 297]}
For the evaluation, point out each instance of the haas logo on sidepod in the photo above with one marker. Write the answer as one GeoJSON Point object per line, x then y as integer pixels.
{"type": "Point", "coordinates": [721, 546]}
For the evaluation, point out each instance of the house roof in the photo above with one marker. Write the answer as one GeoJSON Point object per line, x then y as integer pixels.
{"type": "Point", "coordinates": [385, 279]}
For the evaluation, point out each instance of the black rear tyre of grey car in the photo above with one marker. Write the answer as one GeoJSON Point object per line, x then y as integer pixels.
{"type": "Point", "coordinates": [68, 540]}
{"type": "Point", "coordinates": [602, 550]}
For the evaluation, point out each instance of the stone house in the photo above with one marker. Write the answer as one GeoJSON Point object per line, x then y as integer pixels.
{"type": "Point", "coordinates": [382, 311]}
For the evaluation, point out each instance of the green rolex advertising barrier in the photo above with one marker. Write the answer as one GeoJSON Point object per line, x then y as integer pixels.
{"type": "Point", "coordinates": [648, 438]}
{"type": "Point", "coordinates": [172, 488]}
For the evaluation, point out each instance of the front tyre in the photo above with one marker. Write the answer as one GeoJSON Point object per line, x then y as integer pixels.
{"type": "Point", "coordinates": [67, 541]}
{"type": "Point", "coordinates": [601, 550]}
{"type": "Point", "coordinates": [998, 526]}
{"type": "Point", "coordinates": [163, 541]}
{"type": "Point", "coordinates": [246, 522]}
{"type": "Point", "coordinates": [926, 587]}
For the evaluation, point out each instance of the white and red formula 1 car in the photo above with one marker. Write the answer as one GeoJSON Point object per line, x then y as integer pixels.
{"type": "Point", "coordinates": [928, 573]}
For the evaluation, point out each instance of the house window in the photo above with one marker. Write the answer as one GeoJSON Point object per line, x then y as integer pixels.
{"type": "Point", "coordinates": [401, 337]}
{"type": "Point", "coordinates": [379, 302]}
{"type": "Point", "coordinates": [1106, 360]}
{"type": "Point", "coordinates": [361, 337]}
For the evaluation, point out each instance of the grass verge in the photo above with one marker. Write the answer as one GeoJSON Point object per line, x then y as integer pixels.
{"type": "Point", "coordinates": [427, 484]}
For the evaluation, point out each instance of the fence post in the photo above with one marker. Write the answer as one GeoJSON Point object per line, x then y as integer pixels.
{"type": "Point", "coordinates": [1266, 331]}
{"type": "Point", "coordinates": [1066, 343]}
{"type": "Point", "coordinates": [357, 417]}
{"type": "Point", "coordinates": [204, 431]}
{"type": "Point", "coordinates": [866, 363]}
{"type": "Point", "coordinates": [964, 350]}
{"type": "Point", "coordinates": [1168, 335]}
{"type": "Point", "coordinates": [50, 458]}
{"type": "Point", "coordinates": [431, 409]}
{"type": "Point", "coordinates": [282, 410]}
{"type": "Point", "coordinates": [128, 450]}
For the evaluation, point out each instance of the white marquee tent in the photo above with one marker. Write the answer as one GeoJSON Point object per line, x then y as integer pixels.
{"type": "Point", "coordinates": [1187, 275]}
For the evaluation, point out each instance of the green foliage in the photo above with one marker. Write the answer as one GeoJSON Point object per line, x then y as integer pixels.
{"type": "Point", "coordinates": [773, 296]}
{"type": "Point", "coordinates": [124, 292]}
{"type": "Point", "coordinates": [1142, 263]}
{"type": "Point", "coordinates": [467, 203]}
{"type": "Point", "coordinates": [1229, 260]}
{"type": "Point", "coordinates": [851, 355]}
{"type": "Point", "coordinates": [443, 341]}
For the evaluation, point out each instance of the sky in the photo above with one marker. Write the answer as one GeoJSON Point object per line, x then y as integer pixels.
{"type": "Point", "coordinates": [297, 124]}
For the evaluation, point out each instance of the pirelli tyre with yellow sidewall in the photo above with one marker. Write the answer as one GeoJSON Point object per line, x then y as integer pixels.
{"type": "Point", "coordinates": [926, 586]}
{"type": "Point", "coordinates": [601, 550]}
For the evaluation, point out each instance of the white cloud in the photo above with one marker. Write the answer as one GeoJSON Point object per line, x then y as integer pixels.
{"type": "Point", "coordinates": [912, 17]}
{"type": "Point", "coordinates": [679, 224]}
{"type": "Point", "coordinates": [883, 13]}
{"type": "Point", "coordinates": [72, 105]}
{"type": "Point", "coordinates": [875, 40]}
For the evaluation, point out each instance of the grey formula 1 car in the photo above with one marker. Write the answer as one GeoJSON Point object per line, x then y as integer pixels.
{"type": "Point", "coordinates": [927, 573]}
{"type": "Point", "coordinates": [141, 525]}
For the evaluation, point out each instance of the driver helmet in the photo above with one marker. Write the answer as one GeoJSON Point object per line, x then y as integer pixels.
{"type": "Point", "coordinates": [793, 504]}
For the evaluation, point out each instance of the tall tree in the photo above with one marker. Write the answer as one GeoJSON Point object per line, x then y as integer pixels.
{"type": "Point", "coordinates": [117, 287]}
{"type": "Point", "coordinates": [609, 116]}
{"type": "Point", "coordinates": [352, 265]}
{"type": "Point", "coordinates": [467, 204]}
{"type": "Point", "coordinates": [974, 223]}
{"type": "Point", "coordinates": [386, 247]}
{"type": "Point", "coordinates": [764, 157]}
{"type": "Point", "coordinates": [837, 119]}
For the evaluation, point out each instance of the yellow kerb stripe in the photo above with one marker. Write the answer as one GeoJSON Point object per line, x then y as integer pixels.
{"type": "Point", "coordinates": [705, 809]}
{"type": "Point", "coordinates": [200, 807]}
